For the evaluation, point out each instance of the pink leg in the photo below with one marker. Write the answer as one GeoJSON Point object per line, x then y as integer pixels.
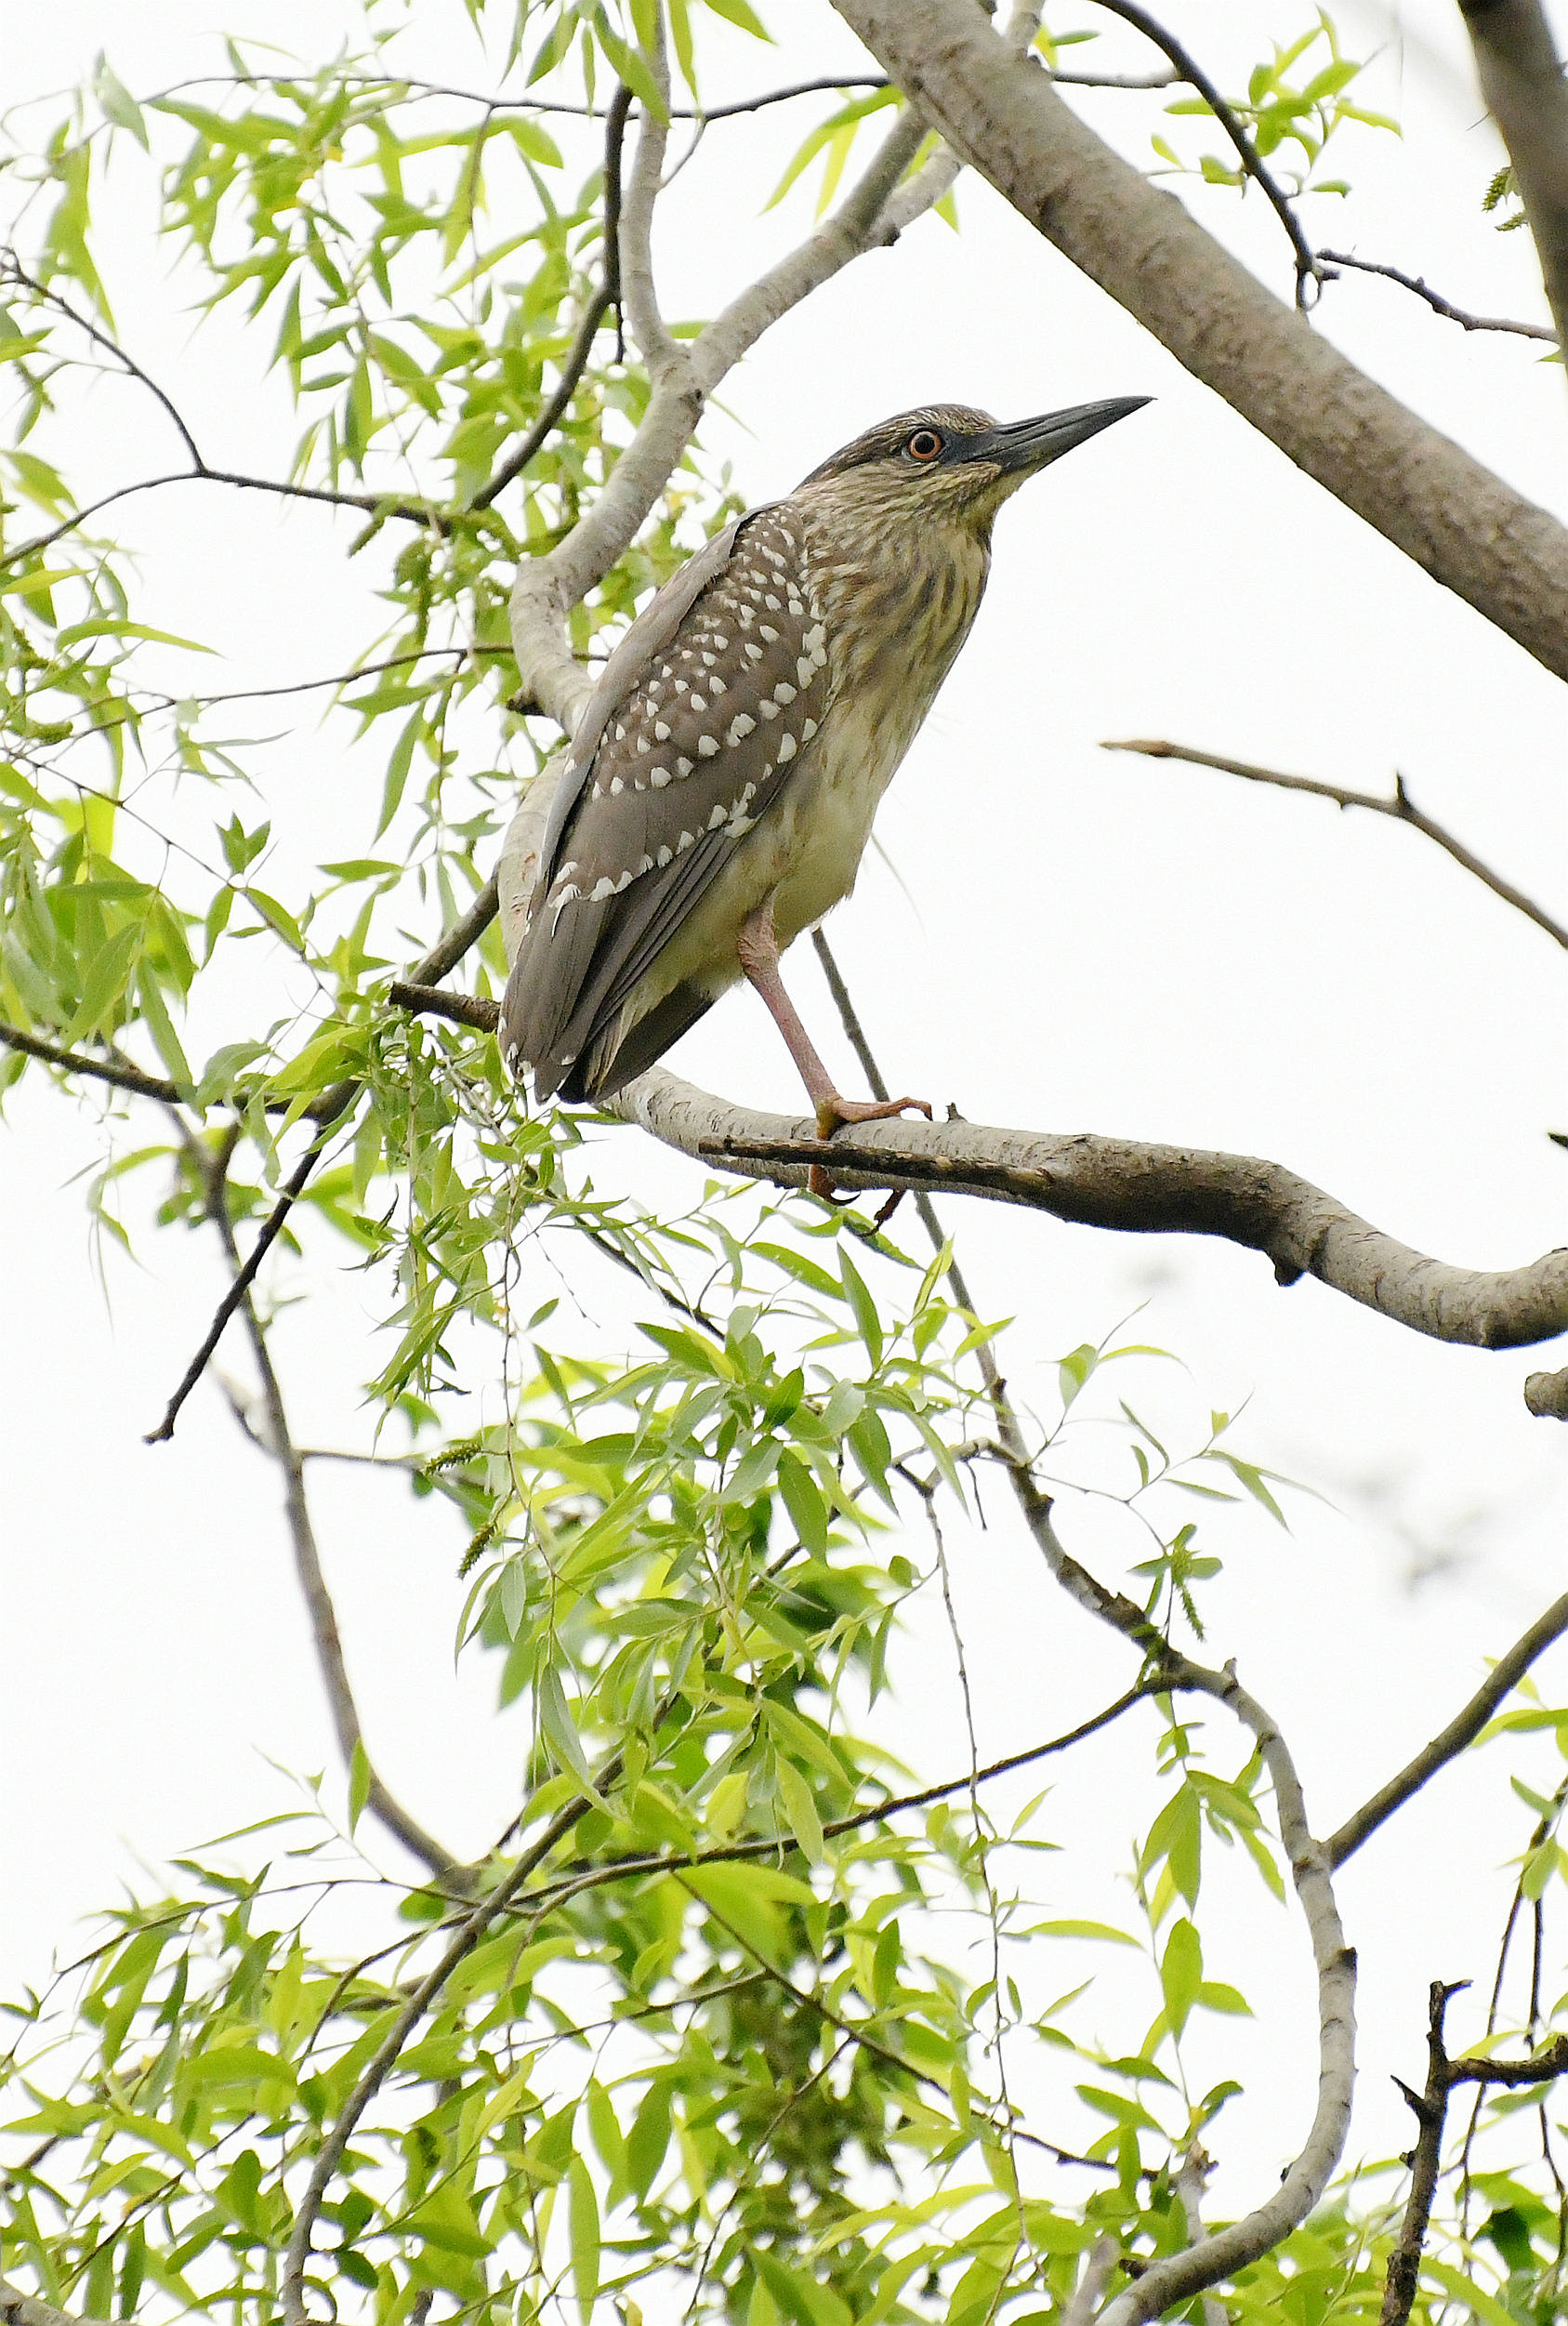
{"type": "Point", "coordinates": [759, 951]}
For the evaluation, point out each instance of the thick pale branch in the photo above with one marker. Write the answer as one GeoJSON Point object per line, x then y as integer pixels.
{"type": "Point", "coordinates": [1507, 558]}
{"type": "Point", "coordinates": [1132, 1186]}
{"type": "Point", "coordinates": [1401, 808]}
{"type": "Point", "coordinates": [1521, 81]}
{"type": "Point", "coordinates": [1462, 1730]}
{"type": "Point", "coordinates": [547, 588]}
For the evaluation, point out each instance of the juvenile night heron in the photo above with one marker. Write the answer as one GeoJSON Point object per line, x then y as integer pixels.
{"type": "Point", "coordinates": [721, 782]}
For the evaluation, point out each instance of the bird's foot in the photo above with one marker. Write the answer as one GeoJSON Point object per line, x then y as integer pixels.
{"type": "Point", "coordinates": [833, 1112]}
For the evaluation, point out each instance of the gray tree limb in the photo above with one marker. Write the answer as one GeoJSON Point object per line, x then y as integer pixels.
{"type": "Point", "coordinates": [1130, 1185]}
{"type": "Point", "coordinates": [17, 2308]}
{"type": "Point", "coordinates": [1521, 81]}
{"type": "Point", "coordinates": [1463, 526]}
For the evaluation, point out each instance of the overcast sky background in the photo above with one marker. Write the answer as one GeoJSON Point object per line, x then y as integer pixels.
{"type": "Point", "coordinates": [1061, 938]}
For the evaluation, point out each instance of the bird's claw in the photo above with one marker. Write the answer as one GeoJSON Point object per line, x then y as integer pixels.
{"type": "Point", "coordinates": [833, 1113]}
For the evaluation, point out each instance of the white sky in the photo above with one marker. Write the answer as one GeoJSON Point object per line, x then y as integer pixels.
{"type": "Point", "coordinates": [1086, 941]}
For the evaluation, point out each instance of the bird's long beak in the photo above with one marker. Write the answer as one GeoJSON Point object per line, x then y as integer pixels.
{"type": "Point", "coordinates": [1024, 446]}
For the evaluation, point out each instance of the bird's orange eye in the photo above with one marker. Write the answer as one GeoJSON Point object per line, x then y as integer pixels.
{"type": "Point", "coordinates": [925, 445]}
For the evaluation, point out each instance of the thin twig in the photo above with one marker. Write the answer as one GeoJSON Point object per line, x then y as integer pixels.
{"type": "Point", "coordinates": [328, 1111]}
{"type": "Point", "coordinates": [153, 1086]}
{"type": "Point", "coordinates": [1212, 2258]}
{"type": "Point", "coordinates": [278, 1443]}
{"type": "Point", "coordinates": [375, 504]}
{"type": "Point", "coordinates": [1439, 305]}
{"type": "Point", "coordinates": [1401, 808]}
{"type": "Point", "coordinates": [12, 270]}
{"type": "Point", "coordinates": [1462, 1730]}
{"type": "Point", "coordinates": [1187, 65]}
{"type": "Point", "coordinates": [1430, 2108]}
{"type": "Point", "coordinates": [607, 296]}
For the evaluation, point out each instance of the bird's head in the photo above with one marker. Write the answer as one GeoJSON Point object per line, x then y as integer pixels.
{"type": "Point", "coordinates": [947, 464]}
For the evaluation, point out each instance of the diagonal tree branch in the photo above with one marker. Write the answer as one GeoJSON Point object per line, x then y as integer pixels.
{"type": "Point", "coordinates": [1521, 81]}
{"type": "Point", "coordinates": [1507, 558]}
{"type": "Point", "coordinates": [17, 2308]}
{"type": "Point", "coordinates": [277, 1443]}
{"type": "Point", "coordinates": [1401, 808]}
{"type": "Point", "coordinates": [547, 588]}
{"type": "Point", "coordinates": [1462, 1730]}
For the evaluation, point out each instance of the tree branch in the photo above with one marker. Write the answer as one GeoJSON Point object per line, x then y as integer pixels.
{"type": "Point", "coordinates": [1131, 1186]}
{"type": "Point", "coordinates": [17, 2308]}
{"type": "Point", "coordinates": [1188, 67]}
{"type": "Point", "coordinates": [374, 504]}
{"type": "Point", "coordinates": [1521, 81]}
{"type": "Point", "coordinates": [660, 352]}
{"type": "Point", "coordinates": [1401, 808]}
{"type": "Point", "coordinates": [1546, 1394]}
{"type": "Point", "coordinates": [1439, 305]}
{"type": "Point", "coordinates": [607, 296]}
{"type": "Point", "coordinates": [1462, 1730]}
{"type": "Point", "coordinates": [278, 1443]}
{"type": "Point", "coordinates": [327, 1111]}
{"type": "Point", "coordinates": [547, 588]}
{"type": "Point", "coordinates": [1430, 2109]}
{"type": "Point", "coordinates": [1507, 558]}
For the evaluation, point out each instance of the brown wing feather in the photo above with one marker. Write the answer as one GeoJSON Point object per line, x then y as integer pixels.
{"type": "Point", "coordinates": [693, 750]}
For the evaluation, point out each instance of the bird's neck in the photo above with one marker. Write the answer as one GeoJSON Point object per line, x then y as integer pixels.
{"type": "Point", "coordinates": [897, 607]}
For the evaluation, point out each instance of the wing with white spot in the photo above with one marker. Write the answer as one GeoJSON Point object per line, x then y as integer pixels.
{"type": "Point", "coordinates": [698, 744]}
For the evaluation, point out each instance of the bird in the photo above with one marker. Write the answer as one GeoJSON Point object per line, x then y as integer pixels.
{"type": "Point", "coordinates": [720, 787]}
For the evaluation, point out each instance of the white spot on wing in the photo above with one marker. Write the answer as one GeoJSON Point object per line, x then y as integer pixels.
{"type": "Point", "coordinates": [706, 746]}
{"type": "Point", "coordinates": [741, 725]}
{"type": "Point", "coordinates": [786, 749]}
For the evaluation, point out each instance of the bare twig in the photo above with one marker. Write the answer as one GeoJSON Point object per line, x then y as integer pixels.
{"type": "Point", "coordinates": [1401, 808]}
{"type": "Point", "coordinates": [1187, 65]}
{"type": "Point", "coordinates": [328, 1111]}
{"type": "Point", "coordinates": [278, 1443]}
{"type": "Point", "coordinates": [1439, 305]}
{"type": "Point", "coordinates": [153, 1086]}
{"type": "Point", "coordinates": [374, 504]}
{"type": "Point", "coordinates": [12, 270]}
{"type": "Point", "coordinates": [607, 296]}
{"type": "Point", "coordinates": [1462, 524]}
{"type": "Point", "coordinates": [1430, 2108]}
{"type": "Point", "coordinates": [1462, 1730]}
{"type": "Point", "coordinates": [1521, 81]}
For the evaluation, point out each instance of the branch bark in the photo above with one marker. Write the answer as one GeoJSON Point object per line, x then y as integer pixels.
{"type": "Point", "coordinates": [1503, 555]}
{"type": "Point", "coordinates": [1521, 81]}
{"type": "Point", "coordinates": [17, 2308]}
{"type": "Point", "coordinates": [1128, 1185]}
{"type": "Point", "coordinates": [1430, 2108]}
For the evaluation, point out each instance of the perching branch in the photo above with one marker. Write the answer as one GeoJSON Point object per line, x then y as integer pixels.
{"type": "Point", "coordinates": [1439, 305]}
{"type": "Point", "coordinates": [1401, 807]}
{"type": "Point", "coordinates": [1462, 1730]}
{"type": "Point", "coordinates": [1468, 529]}
{"type": "Point", "coordinates": [1126, 1184]}
{"type": "Point", "coordinates": [1521, 81]}
{"type": "Point", "coordinates": [1132, 1186]}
